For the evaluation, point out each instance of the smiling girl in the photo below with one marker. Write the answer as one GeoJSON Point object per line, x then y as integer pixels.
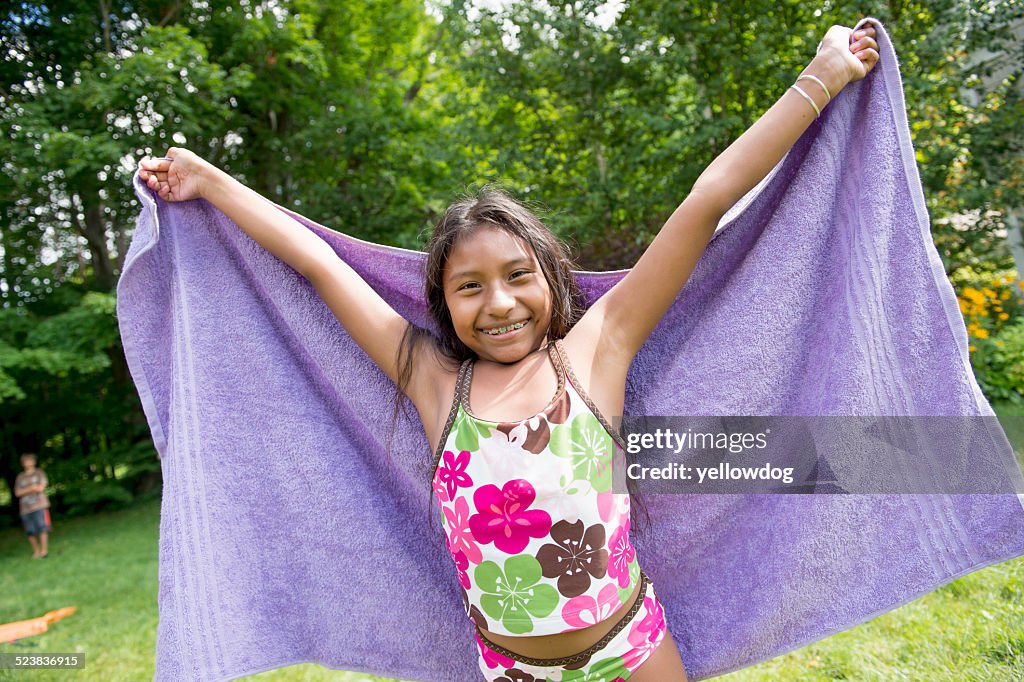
{"type": "Point", "coordinates": [515, 385]}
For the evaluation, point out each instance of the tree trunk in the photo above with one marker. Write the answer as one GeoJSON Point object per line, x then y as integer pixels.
{"type": "Point", "coordinates": [84, 439]}
{"type": "Point", "coordinates": [10, 477]}
{"type": "Point", "coordinates": [8, 273]}
{"type": "Point", "coordinates": [105, 15]}
{"type": "Point", "coordinates": [95, 234]}
{"type": "Point", "coordinates": [169, 13]}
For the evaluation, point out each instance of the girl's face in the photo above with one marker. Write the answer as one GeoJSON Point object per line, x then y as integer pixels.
{"type": "Point", "coordinates": [492, 280]}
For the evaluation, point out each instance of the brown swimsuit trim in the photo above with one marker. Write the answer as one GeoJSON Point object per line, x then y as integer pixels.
{"type": "Point", "coordinates": [556, 364]}
{"type": "Point", "coordinates": [587, 653]}
{"type": "Point", "coordinates": [459, 382]}
{"type": "Point", "coordinates": [586, 398]}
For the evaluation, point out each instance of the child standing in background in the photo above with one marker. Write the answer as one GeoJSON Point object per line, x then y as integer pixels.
{"type": "Point", "coordinates": [33, 505]}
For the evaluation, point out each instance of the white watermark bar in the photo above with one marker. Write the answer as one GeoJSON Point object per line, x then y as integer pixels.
{"type": "Point", "coordinates": [15, 661]}
{"type": "Point", "coordinates": [820, 455]}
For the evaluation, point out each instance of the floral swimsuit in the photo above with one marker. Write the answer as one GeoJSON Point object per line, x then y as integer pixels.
{"type": "Point", "coordinates": [540, 542]}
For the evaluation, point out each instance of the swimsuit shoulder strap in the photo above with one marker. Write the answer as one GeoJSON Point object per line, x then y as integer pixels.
{"type": "Point", "coordinates": [557, 361]}
{"type": "Point", "coordinates": [563, 360]}
{"type": "Point", "coordinates": [461, 385]}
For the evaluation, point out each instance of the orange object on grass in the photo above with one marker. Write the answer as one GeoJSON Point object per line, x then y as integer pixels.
{"type": "Point", "coordinates": [10, 632]}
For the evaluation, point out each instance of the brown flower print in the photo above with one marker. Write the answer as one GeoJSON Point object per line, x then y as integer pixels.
{"type": "Point", "coordinates": [533, 435]}
{"type": "Point", "coordinates": [559, 410]}
{"type": "Point", "coordinates": [522, 434]}
{"type": "Point", "coordinates": [473, 612]}
{"type": "Point", "coordinates": [517, 675]}
{"type": "Point", "coordinates": [574, 557]}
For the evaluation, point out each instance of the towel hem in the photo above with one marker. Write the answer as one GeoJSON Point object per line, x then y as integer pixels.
{"type": "Point", "coordinates": [128, 343]}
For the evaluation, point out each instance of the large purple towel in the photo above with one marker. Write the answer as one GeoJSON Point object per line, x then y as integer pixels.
{"type": "Point", "coordinates": [287, 534]}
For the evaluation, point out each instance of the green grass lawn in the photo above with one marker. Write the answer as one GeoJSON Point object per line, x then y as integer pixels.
{"type": "Point", "coordinates": [106, 565]}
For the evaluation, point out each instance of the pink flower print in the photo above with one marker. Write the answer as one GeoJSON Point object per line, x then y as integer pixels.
{"type": "Point", "coordinates": [452, 471]}
{"type": "Point", "coordinates": [491, 658]}
{"type": "Point", "coordinates": [645, 635]}
{"type": "Point", "coordinates": [621, 553]}
{"type": "Point", "coordinates": [584, 611]}
{"type": "Point", "coordinates": [460, 535]}
{"type": "Point", "coordinates": [461, 564]}
{"type": "Point", "coordinates": [441, 490]}
{"type": "Point", "coordinates": [503, 517]}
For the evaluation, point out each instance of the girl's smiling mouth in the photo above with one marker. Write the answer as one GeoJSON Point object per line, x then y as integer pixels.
{"type": "Point", "coordinates": [505, 331]}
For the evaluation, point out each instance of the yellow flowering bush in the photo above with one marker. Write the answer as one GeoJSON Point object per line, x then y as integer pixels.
{"type": "Point", "coordinates": [990, 305]}
{"type": "Point", "coordinates": [992, 308]}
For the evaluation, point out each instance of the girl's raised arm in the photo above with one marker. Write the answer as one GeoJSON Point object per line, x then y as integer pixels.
{"type": "Point", "coordinates": [627, 314]}
{"type": "Point", "coordinates": [368, 319]}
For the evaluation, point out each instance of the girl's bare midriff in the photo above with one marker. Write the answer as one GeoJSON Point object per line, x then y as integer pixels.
{"type": "Point", "coordinates": [563, 643]}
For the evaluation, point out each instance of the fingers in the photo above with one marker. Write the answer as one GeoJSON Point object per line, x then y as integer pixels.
{"type": "Point", "coordinates": [869, 56]}
{"type": "Point", "coordinates": [861, 42]}
{"type": "Point", "coordinates": [864, 43]}
{"type": "Point", "coordinates": [159, 164]}
{"type": "Point", "coordinates": [864, 46]}
{"type": "Point", "coordinates": [152, 176]}
{"type": "Point", "coordinates": [865, 35]}
{"type": "Point", "coordinates": [865, 30]}
{"type": "Point", "coordinates": [154, 171]}
{"type": "Point", "coordinates": [161, 187]}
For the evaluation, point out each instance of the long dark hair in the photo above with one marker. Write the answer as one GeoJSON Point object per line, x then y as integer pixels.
{"type": "Point", "coordinates": [492, 206]}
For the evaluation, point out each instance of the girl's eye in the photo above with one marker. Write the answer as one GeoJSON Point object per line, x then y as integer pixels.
{"type": "Point", "coordinates": [514, 275]}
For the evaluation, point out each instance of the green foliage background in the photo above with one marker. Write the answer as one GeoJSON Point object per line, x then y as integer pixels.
{"type": "Point", "coordinates": [372, 115]}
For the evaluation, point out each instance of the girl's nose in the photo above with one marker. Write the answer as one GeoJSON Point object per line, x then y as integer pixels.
{"type": "Point", "coordinates": [501, 302]}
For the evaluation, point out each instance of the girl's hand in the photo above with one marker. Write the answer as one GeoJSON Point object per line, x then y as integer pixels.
{"type": "Point", "coordinates": [180, 176]}
{"type": "Point", "coordinates": [858, 52]}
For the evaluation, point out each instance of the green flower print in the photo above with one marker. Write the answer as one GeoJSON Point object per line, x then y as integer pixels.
{"type": "Point", "coordinates": [634, 577]}
{"type": "Point", "coordinates": [513, 595]}
{"type": "Point", "coordinates": [606, 669]}
{"type": "Point", "coordinates": [468, 432]}
{"type": "Point", "coordinates": [589, 446]}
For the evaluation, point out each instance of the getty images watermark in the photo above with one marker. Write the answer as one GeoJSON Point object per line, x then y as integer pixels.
{"type": "Point", "coordinates": [676, 442]}
{"type": "Point", "coordinates": [835, 455]}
